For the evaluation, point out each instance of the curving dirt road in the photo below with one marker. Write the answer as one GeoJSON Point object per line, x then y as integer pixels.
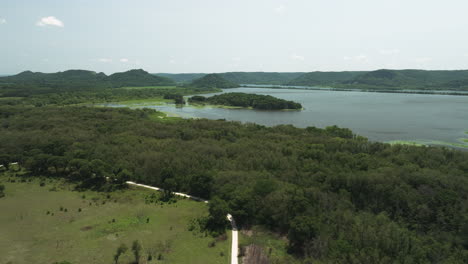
{"type": "Point", "coordinates": [235, 242]}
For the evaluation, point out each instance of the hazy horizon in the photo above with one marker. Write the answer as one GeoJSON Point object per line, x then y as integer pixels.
{"type": "Point", "coordinates": [225, 36]}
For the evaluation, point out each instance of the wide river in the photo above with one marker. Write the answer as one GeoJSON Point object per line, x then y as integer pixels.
{"type": "Point", "coordinates": [377, 116]}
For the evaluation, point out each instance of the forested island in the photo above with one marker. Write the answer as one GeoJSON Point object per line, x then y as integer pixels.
{"type": "Point", "coordinates": [255, 101]}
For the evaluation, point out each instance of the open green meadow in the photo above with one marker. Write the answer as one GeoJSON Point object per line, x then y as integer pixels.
{"type": "Point", "coordinates": [53, 223]}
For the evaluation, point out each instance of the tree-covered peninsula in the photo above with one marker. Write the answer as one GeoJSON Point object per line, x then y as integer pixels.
{"type": "Point", "coordinates": [255, 101]}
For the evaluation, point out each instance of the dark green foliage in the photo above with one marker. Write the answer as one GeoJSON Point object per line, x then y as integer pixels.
{"type": "Point", "coordinates": [136, 248]}
{"type": "Point", "coordinates": [213, 81]}
{"type": "Point", "coordinates": [256, 101]}
{"type": "Point", "coordinates": [135, 78]}
{"type": "Point", "coordinates": [260, 77]}
{"type": "Point", "coordinates": [120, 250]}
{"type": "Point", "coordinates": [387, 80]}
{"type": "Point", "coordinates": [181, 77]}
{"type": "Point", "coordinates": [411, 79]}
{"type": "Point", "coordinates": [338, 198]}
{"type": "Point", "coordinates": [217, 220]}
{"type": "Point", "coordinates": [239, 77]}
{"type": "Point", "coordinates": [2, 190]}
{"type": "Point", "coordinates": [178, 98]}
{"type": "Point", "coordinates": [323, 78]}
{"type": "Point", "coordinates": [81, 80]}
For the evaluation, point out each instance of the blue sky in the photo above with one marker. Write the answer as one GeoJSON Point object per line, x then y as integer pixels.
{"type": "Point", "coordinates": [241, 35]}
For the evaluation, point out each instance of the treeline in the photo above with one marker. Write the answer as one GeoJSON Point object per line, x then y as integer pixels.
{"type": "Point", "coordinates": [383, 79]}
{"type": "Point", "coordinates": [213, 81]}
{"type": "Point", "coordinates": [256, 101]}
{"type": "Point", "coordinates": [239, 77]}
{"type": "Point", "coordinates": [32, 83]}
{"type": "Point", "coordinates": [338, 198]}
{"type": "Point", "coordinates": [66, 97]}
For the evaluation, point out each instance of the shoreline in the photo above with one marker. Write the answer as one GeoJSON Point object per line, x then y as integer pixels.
{"type": "Point", "coordinates": [318, 88]}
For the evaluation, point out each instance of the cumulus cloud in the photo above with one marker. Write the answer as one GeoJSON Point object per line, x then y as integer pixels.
{"type": "Point", "coordinates": [124, 60]}
{"type": "Point", "coordinates": [50, 21]}
{"type": "Point", "coordinates": [105, 60]}
{"type": "Point", "coordinates": [389, 51]}
{"type": "Point", "coordinates": [2, 21]}
{"type": "Point", "coordinates": [297, 57]}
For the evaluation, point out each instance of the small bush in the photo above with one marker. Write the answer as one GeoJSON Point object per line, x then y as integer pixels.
{"type": "Point", "coordinates": [212, 244]}
{"type": "Point", "coordinates": [79, 210]}
{"type": "Point", "coordinates": [42, 184]}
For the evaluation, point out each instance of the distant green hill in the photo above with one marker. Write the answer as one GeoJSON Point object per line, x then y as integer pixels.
{"type": "Point", "coordinates": [181, 77]}
{"type": "Point", "coordinates": [213, 81]}
{"type": "Point", "coordinates": [82, 79]}
{"type": "Point", "coordinates": [238, 77]}
{"type": "Point", "coordinates": [412, 79]}
{"type": "Point", "coordinates": [138, 78]}
{"type": "Point", "coordinates": [261, 77]}
{"type": "Point", "coordinates": [323, 78]}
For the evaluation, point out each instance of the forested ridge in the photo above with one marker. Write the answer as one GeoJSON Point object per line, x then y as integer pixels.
{"type": "Point", "coordinates": [383, 79]}
{"type": "Point", "coordinates": [212, 81]}
{"type": "Point", "coordinates": [31, 83]}
{"type": "Point", "coordinates": [256, 101]}
{"type": "Point", "coordinates": [337, 197]}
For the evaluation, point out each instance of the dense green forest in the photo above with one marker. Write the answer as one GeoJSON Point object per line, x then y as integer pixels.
{"type": "Point", "coordinates": [182, 78]}
{"type": "Point", "coordinates": [30, 83]}
{"type": "Point", "coordinates": [373, 80]}
{"type": "Point", "coordinates": [323, 78]}
{"type": "Point", "coordinates": [337, 197]}
{"type": "Point", "coordinates": [238, 77]}
{"type": "Point", "coordinates": [78, 86]}
{"type": "Point", "coordinates": [256, 101]}
{"type": "Point", "coordinates": [212, 81]}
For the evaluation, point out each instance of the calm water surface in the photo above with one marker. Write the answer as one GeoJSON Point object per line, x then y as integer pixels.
{"type": "Point", "coordinates": [378, 116]}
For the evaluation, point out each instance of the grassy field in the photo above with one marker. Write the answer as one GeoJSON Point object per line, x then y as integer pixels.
{"type": "Point", "coordinates": [53, 223]}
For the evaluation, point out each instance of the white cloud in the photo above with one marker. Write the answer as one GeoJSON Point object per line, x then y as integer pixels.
{"type": "Point", "coordinates": [2, 21]}
{"type": "Point", "coordinates": [236, 59]}
{"type": "Point", "coordinates": [50, 21]}
{"type": "Point", "coordinates": [280, 9]}
{"type": "Point", "coordinates": [172, 61]}
{"type": "Point", "coordinates": [124, 60]}
{"type": "Point", "coordinates": [105, 60]}
{"type": "Point", "coordinates": [297, 57]}
{"type": "Point", "coordinates": [389, 51]}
